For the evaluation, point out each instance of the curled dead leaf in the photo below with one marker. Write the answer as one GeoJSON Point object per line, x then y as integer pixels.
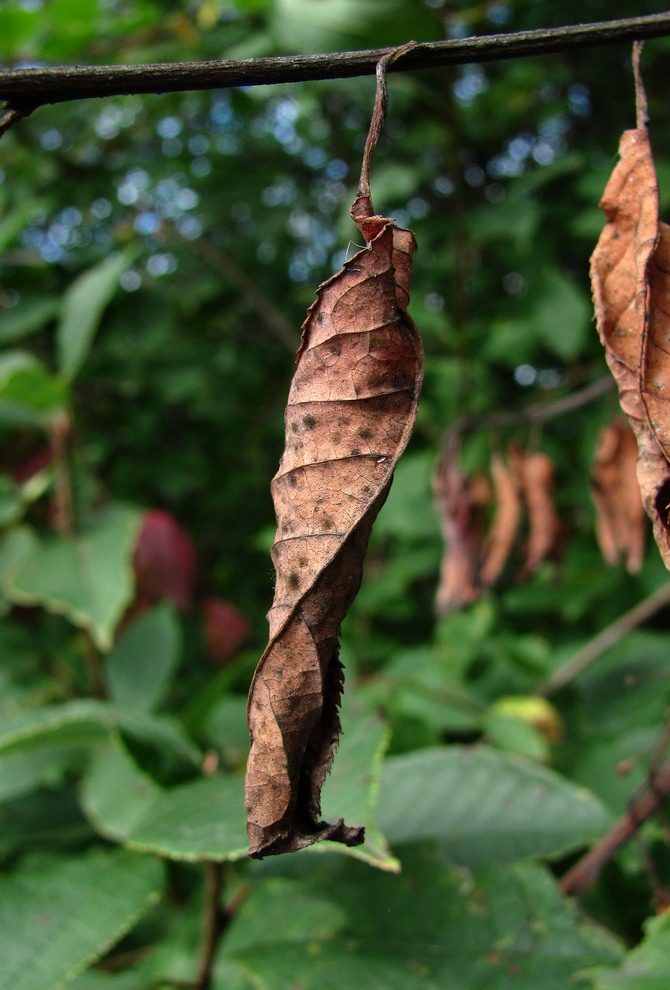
{"type": "Point", "coordinates": [350, 412]}
{"type": "Point", "coordinates": [459, 501]}
{"type": "Point", "coordinates": [620, 517]}
{"type": "Point", "coordinates": [535, 471]}
{"type": "Point", "coordinates": [630, 296]}
{"type": "Point", "coordinates": [506, 521]}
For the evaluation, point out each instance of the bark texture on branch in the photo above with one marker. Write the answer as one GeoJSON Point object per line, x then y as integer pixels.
{"type": "Point", "coordinates": [29, 88]}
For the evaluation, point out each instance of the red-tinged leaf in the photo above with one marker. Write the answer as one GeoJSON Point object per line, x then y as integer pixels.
{"type": "Point", "coordinates": [225, 629]}
{"type": "Point", "coordinates": [164, 561]}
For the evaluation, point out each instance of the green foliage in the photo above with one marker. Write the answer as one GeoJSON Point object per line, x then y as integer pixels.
{"type": "Point", "coordinates": [158, 254]}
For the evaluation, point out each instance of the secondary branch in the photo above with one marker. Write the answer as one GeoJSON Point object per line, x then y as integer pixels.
{"type": "Point", "coordinates": [26, 89]}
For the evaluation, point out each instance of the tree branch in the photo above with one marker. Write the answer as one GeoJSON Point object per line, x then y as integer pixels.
{"type": "Point", "coordinates": [607, 637]}
{"type": "Point", "coordinates": [27, 88]}
{"type": "Point", "coordinates": [586, 871]}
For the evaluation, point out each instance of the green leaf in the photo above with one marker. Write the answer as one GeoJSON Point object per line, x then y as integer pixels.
{"type": "Point", "coordinates": [562, 315]}
{"type": "Point", "coordinates": [83, 305]}
{"type": "Point", "coordinates": [485, 806]}
{"type": "Point", "coordinates": [331, 25]}
{"type": "Point", "coordinates": [27, 388]}
{"type": "Point", "coordinates": [87, 578]}
{"type": "Point", "coordinates": [351, 790]}
{"type": "Point", "coordinates": [87, 722]}
{"type": "Point", "coordinates": [139, 668]}
{"type": "Point", "coordinates": [645, 967]}
{"type": "Point", "coordinates": [46, 818]}
{"type": "Point", "coordinates": [31, 315]}
{"type": "Point", "coordinates": [200, 820]}
{"type": "Point", "coordinates": [205, 819]}
{"type": "Point", "coordinates": [56, 918]}
{"type": "Point", "coordinates": [434, 926]}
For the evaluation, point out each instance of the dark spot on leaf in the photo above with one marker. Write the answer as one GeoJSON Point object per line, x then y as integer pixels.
{"type": "Point", "coordinates": [355, 451]}
{"type": "Point", "coordinates": [364, 433]}
{"type": "Point", "coordinates": [293, 581]}
{"type": "Point", "coordinates": [309, 421]}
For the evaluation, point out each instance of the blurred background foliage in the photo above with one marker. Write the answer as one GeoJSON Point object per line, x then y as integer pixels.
{"type": "Point", "coordinates": [158, 254]}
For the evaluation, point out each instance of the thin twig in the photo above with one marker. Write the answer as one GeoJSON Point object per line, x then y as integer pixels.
{"type": "Point", "coordinates": [39, 85]}
{"type": "Point", "coordinates": [539, 412]}
{"type": "Point", "coordinates": [214, 923]}
{"type": "Point", "coordinates": [585, 872]}
{"type": "Point", "coordinates": [604, 640]}
{"type": "Point", "coordinates": [266, 309]}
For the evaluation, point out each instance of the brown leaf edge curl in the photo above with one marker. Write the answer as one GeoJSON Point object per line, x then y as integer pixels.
{"type": "Point", "coordinates": [629, 322]}
{"type": "Point", "coordinates": [350, 413]}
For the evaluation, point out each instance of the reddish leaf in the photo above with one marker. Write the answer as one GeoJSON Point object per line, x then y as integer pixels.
{"type": "Point", "coordinates": [225, 629]}
{"type": "Point", "coordinates": [164, 561]}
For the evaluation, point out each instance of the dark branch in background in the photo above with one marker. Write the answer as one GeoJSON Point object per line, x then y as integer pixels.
{"type": "Point", "coordinates": [26, 89]}
{"type": "Point", "coordinates": [585, 872]}
{"type": "Point", "coordinates": [605, 639]}
{"type": "Point", "coordinates": [540, 412]}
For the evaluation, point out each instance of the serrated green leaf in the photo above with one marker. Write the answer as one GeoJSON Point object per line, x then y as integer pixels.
{"type": "Point", "coordinates": [201, 820]}
{"type": "Point", "coordinates": [87, 578]}
{"type": "Point", "coordinates": [434, 926]}
{"type": "Point", "coordinates": [83, 305]}
{"type": "Point", "coordinates": [205, 819]}
{"type": "Point", "coordinates": [87, 723]}
{"type": "Point", "coordinates": [646, 967]}
{"type": "Point", "coordinates": [56, 918]}
{"type": "Point", "coordinates": [484, 806]}
{"type": "Point", "coordinates": [139, 668]}
{"type": "Point", "coordinates": [351, 790]}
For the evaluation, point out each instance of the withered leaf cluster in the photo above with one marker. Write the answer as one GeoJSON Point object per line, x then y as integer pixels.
{"type": "Point", "coordinates": [630, 271]}
{"type": "Point", "coordinates": [524, 515]}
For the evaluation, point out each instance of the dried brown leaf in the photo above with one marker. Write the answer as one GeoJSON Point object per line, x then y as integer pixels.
{"type": "Point", "coordinates": [458, 501]}
{"type": "Point", "coordinates": [630, 324]}
{"type": "Point", "coordinates": [350, 412]}
{"type": "Point", "coordinates": [620, 517]}
{"type": "Point", "coordinates": [535, 471]}
{"type": "Point", "coordinates": [505, 525]}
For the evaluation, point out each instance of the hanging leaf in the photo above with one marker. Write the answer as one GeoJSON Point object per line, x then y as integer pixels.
{"type": "Point", "coordinates": [535, 472]}
{"type": "Point", "coordinates": [628, 293]}
{"type": "Point", "coordinates": [458, 500]}
{"type": "Point", "coordinates": [83, 306]}
{"type": "Point", "coordinates": [507, 519]}
{"type": "Point", "coordinates": [620, 519]}
{"type": "Point", "coordinates": [350, 412]}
